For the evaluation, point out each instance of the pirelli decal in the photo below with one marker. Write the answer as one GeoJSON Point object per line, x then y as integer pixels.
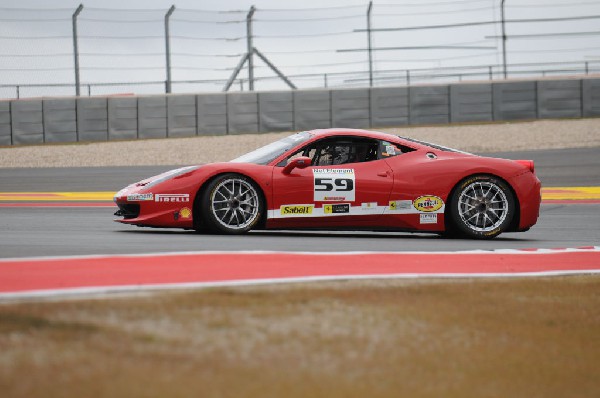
{"type": "Point", "coordinates": [172, 197]}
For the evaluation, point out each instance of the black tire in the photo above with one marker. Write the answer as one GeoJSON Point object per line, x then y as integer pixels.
{"type": "Point", "coordinates": [481, 207]}
{"type": "Point", "coordinates": [231, 204]}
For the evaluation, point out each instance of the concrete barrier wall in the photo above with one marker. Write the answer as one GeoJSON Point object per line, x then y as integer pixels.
{"type": "Point", "coordinates": [211, 111]}
{"type": "Point", "coordinates": [160, 116]}
{"type": "Point", "coordinates": [181, 116]}
{"type": "Point", "coordinates": [152, 117]}
{"type": "Point", "coordinates": [429, 105]}
{"type": "Point", "coordinates": [5, 124]}
{"type": "Point", "coordinates": [60, 120]}
{"type": "Point", "coordinates": [590, 96]}
{"type": "Point", "coordinates": [515, 100]}
{"type": "Point", "coordinates": [122, 118]}
{"type": "Point", "coordinates": [92, 119]}
{"type": "Point", "coordinates": [556, 98]}
{"type": "Point", "coordinates": [389, 106]}
{"type": "Point", "coordinates": [350, 108]}
{"type": "Point", "coordinates": [242, 113]}
{"type": "Point", "coordinates": [276, 111]}
{"type": "Point", "coordinates": [471, 103]}
{"type": "Point", "coordinates": [312, 109]}
{"type": "Point", "coordinates": [27, 122]}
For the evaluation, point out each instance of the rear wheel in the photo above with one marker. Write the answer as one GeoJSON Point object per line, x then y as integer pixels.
{"type": "Point", "coordinates": [232, 204]}
{"type": "Point", "coordinates": [482, 207]}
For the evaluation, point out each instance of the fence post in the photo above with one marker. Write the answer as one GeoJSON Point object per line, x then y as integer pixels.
{"type": "Point", "coordinates": [503, 39]}
{"type": "Point", "coordinates": [490, 72]}
{"type": "Point", "coordinates": [168, 48]}
{"type": "Point", "coordinates": [250, 50]}
{"type": "Point", "coordinates": [76, 48]}
{"type": "Point", "coordinates": [18, 92]}
{"type": "Point", "coordinates": [369, 44]}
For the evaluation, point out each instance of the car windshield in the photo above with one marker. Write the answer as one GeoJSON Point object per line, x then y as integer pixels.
{"type": "Point", "coordinates": [270, 152]}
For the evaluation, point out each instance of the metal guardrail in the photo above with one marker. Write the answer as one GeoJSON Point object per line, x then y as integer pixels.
{"type": "Point", "coordinates": [321, 80]}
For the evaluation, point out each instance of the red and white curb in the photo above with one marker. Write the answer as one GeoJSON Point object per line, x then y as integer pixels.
{"type": "Point", "coordinates": [25, 278]}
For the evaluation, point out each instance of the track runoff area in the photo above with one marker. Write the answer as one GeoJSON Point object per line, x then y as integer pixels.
{"type": "Point", "coordinates": [40, 277]}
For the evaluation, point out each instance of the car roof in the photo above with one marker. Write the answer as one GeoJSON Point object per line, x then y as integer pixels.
{"type": "Point", "coordinates": [352, 132]}
{"type": "Point", "coordinates": [332, 132]}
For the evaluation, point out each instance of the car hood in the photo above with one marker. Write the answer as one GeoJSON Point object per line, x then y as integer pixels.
{"type": "Point", "coordinates": [149, 182]}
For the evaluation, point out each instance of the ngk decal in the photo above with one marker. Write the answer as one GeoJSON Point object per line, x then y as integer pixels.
{"type": "Point", "coordinates": [172, 197]}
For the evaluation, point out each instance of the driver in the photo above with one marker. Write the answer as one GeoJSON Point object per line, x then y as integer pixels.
{"type": "Point", "coordinates": [341, 154]}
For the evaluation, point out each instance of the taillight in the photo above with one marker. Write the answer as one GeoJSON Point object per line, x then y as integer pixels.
{"type": "Point", "coordinates": [528, 164]}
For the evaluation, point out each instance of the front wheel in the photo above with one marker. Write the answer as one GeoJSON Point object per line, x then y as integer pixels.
{"type": "Point", "coordinates": [232, 204]}
{"type": "Point", "coordinates": [482, 207]}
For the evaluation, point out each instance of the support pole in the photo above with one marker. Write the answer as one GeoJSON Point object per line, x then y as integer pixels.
{"type": "Point", "coordinates": [236, 71]}
{"type": "Point", "coordinates": [168, 48]}
{"type": "Point", "coordinates": [503, 38]}
{"type": "Point", "coordinates": [76, 48]}
{"type": "Point", "coordinates": [369, 44]}
{"type": "Point", "coordinates": [250, 46]}
{"type": "Point", "coordinates": [274, 68]}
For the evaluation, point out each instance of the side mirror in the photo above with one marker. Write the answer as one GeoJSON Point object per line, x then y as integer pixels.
{"type": "Point", "coordinates": [301, 162]}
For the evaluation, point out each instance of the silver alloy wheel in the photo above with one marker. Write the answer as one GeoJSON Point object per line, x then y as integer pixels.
{"type": "Point", "coordinates": [234, 203]}
{"type": "Point", "coordinates": [483, 206]}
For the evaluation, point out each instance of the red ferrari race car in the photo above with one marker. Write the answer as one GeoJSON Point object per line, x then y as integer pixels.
{"type": "Point", "coordinates": [342, 179]}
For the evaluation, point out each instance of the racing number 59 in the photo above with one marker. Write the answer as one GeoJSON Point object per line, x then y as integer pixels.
{"type": "Point", "coordinates": [327, 184]}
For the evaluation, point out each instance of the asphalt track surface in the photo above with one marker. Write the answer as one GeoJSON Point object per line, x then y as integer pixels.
{"type": "Point", "coordinates": [28, 232]}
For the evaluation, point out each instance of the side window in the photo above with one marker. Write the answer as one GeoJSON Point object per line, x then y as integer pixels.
{"type": "Point", "coordinates": [388, 149]}
{"type": "Point", "coordinates": [309, 152]}
{"type": "Point", "coordinates": [341, 150]}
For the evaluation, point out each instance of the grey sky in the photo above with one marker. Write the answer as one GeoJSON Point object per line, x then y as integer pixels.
{"type": "Point", "coordinates": [122, 41]}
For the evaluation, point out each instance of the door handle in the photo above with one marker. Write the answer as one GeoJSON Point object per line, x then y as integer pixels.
{"type": "Point", "coordinates": [383, 174]}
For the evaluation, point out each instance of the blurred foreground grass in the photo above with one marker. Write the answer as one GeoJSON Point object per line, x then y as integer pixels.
{"type": "Point", "coordinates": [532, 337]}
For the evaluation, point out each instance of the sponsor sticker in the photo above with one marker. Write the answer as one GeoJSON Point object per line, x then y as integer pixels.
{"type": "Point", "coordinates": [185, 212]}
{"type": "Point", "coordinates": [369, 206]}
{"type": "Point", "coordinates": [336, 209]}
{"type": "Point", "coordinates": [430, 218]}
{"type": "Point", "coordinates": [296, 210]}
{"type": "Point", "coordinates": [172, 197]}
{"type": "Point", "coordinates": [139, 197]}
{"type": "Point", "coordinates": [428, 203]}
{"type": "Point", "coordinates": [400, 204]}
{"type": "Point", "coordinates": [334, 185]}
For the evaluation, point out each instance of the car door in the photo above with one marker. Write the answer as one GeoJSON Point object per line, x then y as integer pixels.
{"type": "Point", "coordinates": [324, 194]}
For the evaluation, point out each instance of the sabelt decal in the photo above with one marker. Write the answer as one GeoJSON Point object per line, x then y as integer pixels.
{"type": "Point", "coordinates": [185, 212]}
{"type": "Point", "coordinates": [428, 203]}
{"type": "Point", "coordinates": [139, 197]}
{"type": "Point", "coordinates": [296, 210]}
{"type": "Point", "coordinates": [334, 185]}
{"type": "Point", "coordinates": [400, 204]}
{"type": "Point", "coordinates": [336, 209]}
{"type": "Point", "coordinates": [172, 197]}
{"type": "Point", "coordinates": [428, 218]}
